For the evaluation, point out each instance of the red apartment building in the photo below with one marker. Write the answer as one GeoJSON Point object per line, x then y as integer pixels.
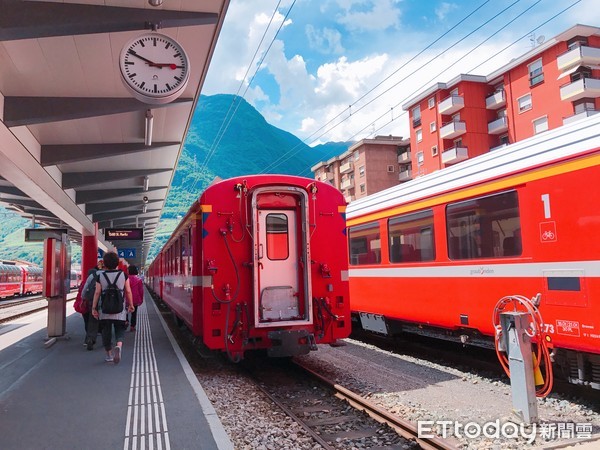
{"type": "Point", "coordinates": [369, 166]}
{"type": "Point", "coordinates": [552, 85]}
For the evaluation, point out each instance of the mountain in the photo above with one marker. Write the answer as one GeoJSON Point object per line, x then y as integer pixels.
{"type": "Point", "coordinates": [219, 144]}
{"type": "Point", "coordinates": [222, 144]}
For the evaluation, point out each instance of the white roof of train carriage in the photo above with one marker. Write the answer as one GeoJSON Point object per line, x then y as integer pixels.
{"type": "Point", "coordinates": [72, 150]}
{"type": "Point", "coordinates": [542, 148]}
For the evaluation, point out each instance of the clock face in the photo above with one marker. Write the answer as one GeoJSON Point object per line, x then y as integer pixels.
{"type": "Point", "coordinates": [155, 68]}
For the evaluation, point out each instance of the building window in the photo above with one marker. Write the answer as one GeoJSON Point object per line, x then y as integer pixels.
{"type": "Point", "coordinates": [419, 135]}
{"type": "Point", "coordinates": [458, 143]}
{"type": "Point", "coordinates": [432, 127]}
{"type": "Point", "coordinates": [524, 103]}
{"type": "Point", "coordinates": [536, 74]}
{"type": "Point", "coordinates": [584, 104]}
{"type": "Point", "coordinates": [504, 139]}
{"type": "Point", "coordinates": [577, 41]}
{"type": "Point", "coordinates": [420, 158]}
{"type": "Point", "coordinates": [362, 188]}
{"type": "Point", "coordinates": [361, 171]}
{"type": "Point", "coordinates": [416, 116]}
{"type": "Point", "coordinates": [540, 125]}
{"type": "Point", "coordinates": [390, 168]}
{"type": "Point", "coordinates": [431, 102]}
{"type": "Point", "coordinates": [434, 150]}
{"type": "Point", "coordinates": [356, 156]}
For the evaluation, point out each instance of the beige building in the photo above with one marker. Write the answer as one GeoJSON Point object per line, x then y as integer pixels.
{"type": "Point", "coordinates": [369, 166]}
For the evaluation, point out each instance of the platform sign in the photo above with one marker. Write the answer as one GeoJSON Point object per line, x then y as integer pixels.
{"type": "Point", "coordinates": [100, 253]}
{"type": "Point", "coordinates": [124, 234]}
{"type": "Point", "coordinates": [127, 253]}
{"type": "Point", "coordinates": [40, 234]}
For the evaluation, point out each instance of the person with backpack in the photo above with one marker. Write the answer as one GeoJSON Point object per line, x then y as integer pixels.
{"type": "Point", "coordinates": [137, 290]}
{"type": "Point", "coordinates": [112, 301]}
{"type": "Point", "coordinates": [86, 292]}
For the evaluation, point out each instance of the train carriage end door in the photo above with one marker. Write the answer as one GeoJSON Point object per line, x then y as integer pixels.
{"type": "Point", "coordinates": [280, 271]}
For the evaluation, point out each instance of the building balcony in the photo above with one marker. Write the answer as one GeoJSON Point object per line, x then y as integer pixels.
{"type": "Point", "coordinates": [326, 176]}
{"type": "Point", "coordinates": [454, 155]}
{"type": "Point", "coordinates": [348, 198]}
{"type": "Point", "coordinates": [498, 147]}
{"type": "Point", "coordinates": [346, 184]}
{"type": "Point", "coordinates": [451, 104]}
{"type": "Point", "coordinates": [498, 126]}
{"type": "Point", "coordinates": [579, 55]}
{"type": "Point", "coordinates": [452, 130]}
{"type": "Point", "coordinates": [579, 116]}
{"type": "Point", "coordinates": [405, 175]}
{"type": "Point", "coordinates": [584, 87]}
{"type": "Point", "coordinates": [496, 100]}
{"type": "Point", "coordinates": [404, 158]}
{"type": "Point", "coordinates": [347, 167]}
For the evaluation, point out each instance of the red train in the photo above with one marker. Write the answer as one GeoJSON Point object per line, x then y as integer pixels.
{"type": "Point", "coordinates": [19, 280]}
{"type": "Point", "coordinates": [259, 262]}
{"type": "Point", "coordinates": [434, 255]}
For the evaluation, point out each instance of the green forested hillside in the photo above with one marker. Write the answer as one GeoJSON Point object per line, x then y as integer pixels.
{"type": "Point", "coordinates": [249, 145]}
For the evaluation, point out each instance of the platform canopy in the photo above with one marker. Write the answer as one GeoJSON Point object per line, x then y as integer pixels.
{"type": "Point", "coordinates": [74, 147]}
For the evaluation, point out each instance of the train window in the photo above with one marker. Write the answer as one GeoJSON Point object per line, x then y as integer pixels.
{"type": "Point", "coordinates": [365, 244]}
{"type": "Point", "coordinates": [411, 237]}
{"type": "Point", "coordinates": [485, 227]}
{"type": "Point", "coordinates": [277, 236]}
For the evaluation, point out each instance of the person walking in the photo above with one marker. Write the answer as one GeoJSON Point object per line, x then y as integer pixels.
{"type": "Point", "coordinates": [137, 291]}
{"type": "Point", "coordinates": [109, 283]}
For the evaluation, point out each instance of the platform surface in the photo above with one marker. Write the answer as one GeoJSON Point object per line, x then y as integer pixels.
{"type": "Point", "coordinates": [65, 397]}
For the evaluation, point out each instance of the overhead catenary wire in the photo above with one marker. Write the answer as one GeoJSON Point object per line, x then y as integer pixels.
{"type": "Point", "coordinates": [296, 148]}
{"type": "Point", "coordinates": [479, 65]}
{"type": "Point", "coordinates": [349, 109]}
{"type": "Point", "coordinates": [216, 145]}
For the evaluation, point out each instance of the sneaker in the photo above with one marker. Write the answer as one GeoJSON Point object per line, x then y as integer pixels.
{"type": "Point", "coordinates": [108, 359]}
{"type": "Point", "coordinates": [116, 355]}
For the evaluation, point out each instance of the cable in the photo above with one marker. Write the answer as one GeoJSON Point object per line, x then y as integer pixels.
{"type": "Point", "coordinates": [214, 148]}
{"type": "Point", "coordinates": [484, 62]}
{"type": "Point", "coordinates": [280, 160]}
{"type": "Point", "coordinates": [520, 303]}
{"type": "Point", "coordinates": [395, 71]}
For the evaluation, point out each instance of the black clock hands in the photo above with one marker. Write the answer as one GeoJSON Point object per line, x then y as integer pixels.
{"type": "Point", "coordinates": [153, 64]}
{"type": "Point", "coordinates": [141, 57]}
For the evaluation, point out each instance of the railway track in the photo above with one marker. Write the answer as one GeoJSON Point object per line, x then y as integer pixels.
{"type": "Point", "coordinates": [333, 415]}
{"type": "Point", "coordinates": [24, 307]}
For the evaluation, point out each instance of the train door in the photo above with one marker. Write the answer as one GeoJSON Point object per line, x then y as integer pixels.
{"type": "Point", "coordinates": [281, 275]}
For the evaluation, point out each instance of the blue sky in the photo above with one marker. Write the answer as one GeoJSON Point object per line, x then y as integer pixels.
{"type": "Point", "coordinates": [351, 59]}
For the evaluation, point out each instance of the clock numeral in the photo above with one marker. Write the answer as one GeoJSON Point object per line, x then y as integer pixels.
{"type": "Point", "coordinates": [167, 46]}
{"type": "Point", "coordinates": [155, 89]}
{"type": "Point", "coordinates": [142, 85]}
{"type": "Point", "coordinates": [154, 41]}
{"type": "Point", "coordinates": [177, 55]}
{"type": "Point", "coordinates": [178, 79]}
{"type": "Point", "coordinates": [141, 42]}
{"type": "Point", "coordinates": [132, 75]}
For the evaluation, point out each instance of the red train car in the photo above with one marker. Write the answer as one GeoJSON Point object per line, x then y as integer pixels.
{"type": "Point", "coordinates": [434, 255]}
{"type": "Point", "coordinates": [259, 262]}
{"type": "Point", "coordinates": [11, 280]}
{"type": "Point", "coordinates": [32, 279]}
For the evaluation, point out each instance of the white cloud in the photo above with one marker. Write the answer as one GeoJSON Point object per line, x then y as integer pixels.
{"type": "Point", "coordinates": [444, 8]}
{"type": "Point", "coordinates": [326, 40]}
{"type": "Point", "coordinates": [364, 15]}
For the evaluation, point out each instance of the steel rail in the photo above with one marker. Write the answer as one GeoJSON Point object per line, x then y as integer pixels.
{"type": "Point", "coordinates": [403, 427]}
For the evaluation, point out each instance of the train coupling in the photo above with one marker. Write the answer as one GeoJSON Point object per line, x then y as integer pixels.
{"type": "Point", "coordinates": [291, 343]}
